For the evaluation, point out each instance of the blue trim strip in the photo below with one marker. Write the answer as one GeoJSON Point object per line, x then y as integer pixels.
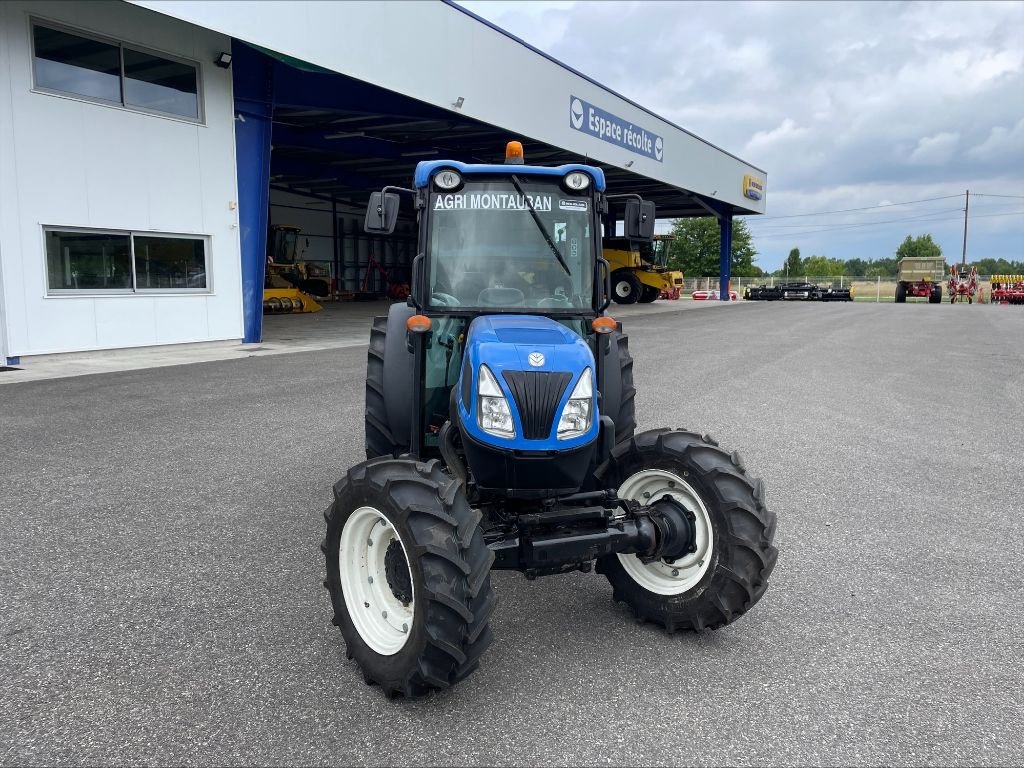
{"type": "Point", "coordinates": [592, 81]}
{"type": "Point", "coordinates": [253, 86]}
{"type": "Point", "coordinates": [13, 361]}
{"type": "Point", "coordinates": [725, 257]}
{"type": "Point", "coordinates": [426, 168]}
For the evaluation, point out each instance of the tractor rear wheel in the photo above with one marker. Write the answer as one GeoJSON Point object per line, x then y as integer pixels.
{"type": "Point", "coordinates": [618, 395]}
{"type": "Point", "coordinates": [728, 571]}
{"type": "Point", "coordinates": [648, 294]}
{"type": "Point", "coordinates": [626, 287]}
{"type": "Point", "coordinates": [389, 385]}
{"type": "Point", "coordinates": [409, 575]}
{"type": "Point", "coordinates": [901, 293]}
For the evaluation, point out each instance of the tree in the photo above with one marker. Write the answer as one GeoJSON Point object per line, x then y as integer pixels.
{"type": "Point", "coordinates": [922, 245]}
{"type": "Point", "coordinates": [793, 265]}
{"type": "Point", "coordinates": [854, 267]}
{"type": "Point", "coordinates": [999, 267]}
{"type": "Point", "coordinates": [695, 249]}
{"type": "Point", "coordinates": [822, 266]}
{"type": "Point", "coordinates": [881, 268]}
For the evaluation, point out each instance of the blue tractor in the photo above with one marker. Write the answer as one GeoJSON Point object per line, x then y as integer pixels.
{"type": "Point", "coordinates": [500, 435]}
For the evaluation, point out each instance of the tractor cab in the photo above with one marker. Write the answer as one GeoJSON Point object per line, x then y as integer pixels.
{"type": "Point", "coordinates": [513, 240]}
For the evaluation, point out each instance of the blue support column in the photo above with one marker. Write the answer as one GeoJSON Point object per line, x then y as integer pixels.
{"type": "Point", "coordinates": [725, 257]}
{"type": "Point", "coordinates": [254, 107]}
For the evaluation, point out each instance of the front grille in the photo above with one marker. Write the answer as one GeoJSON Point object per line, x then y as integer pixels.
{"type": "Point", "coordinates": [537, 394]}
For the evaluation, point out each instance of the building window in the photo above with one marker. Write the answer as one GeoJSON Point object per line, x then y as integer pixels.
{"type": "Point", "coordinates": [68, 62]}
{"type": "Point", "coordinates": [80, 261]}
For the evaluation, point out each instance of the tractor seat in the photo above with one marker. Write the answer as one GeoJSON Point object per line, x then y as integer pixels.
{"type": "Point", "coordinates": [555, 301]}
{"type": "Point", "coordinates": [501, 297]}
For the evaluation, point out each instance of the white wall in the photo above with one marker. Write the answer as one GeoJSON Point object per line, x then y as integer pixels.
{"type": "Point", "coordinates": [67, 162]}
{"type": "Point", "coordinates": [436, 53]}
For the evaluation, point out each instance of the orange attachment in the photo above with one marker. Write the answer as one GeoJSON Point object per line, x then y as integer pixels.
{"type": "Point", "coordinates": [514, 151]}
{"type": "Point", "coordinates": [603, 324]}
{"type": "Point", "coordinates": [419, 324]}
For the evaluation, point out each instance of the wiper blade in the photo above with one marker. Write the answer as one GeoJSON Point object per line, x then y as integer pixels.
{"type": "Point", "coordinates": [540, 226]}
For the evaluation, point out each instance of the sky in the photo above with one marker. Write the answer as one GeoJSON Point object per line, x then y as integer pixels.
{"type": "Point", "coordinates": [844, 104]}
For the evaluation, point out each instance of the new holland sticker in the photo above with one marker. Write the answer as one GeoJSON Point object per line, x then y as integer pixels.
{"type": "Point", "coordinates": [753, 187]}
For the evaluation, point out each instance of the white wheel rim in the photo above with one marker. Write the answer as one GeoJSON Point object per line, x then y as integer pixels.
{"type": "Point", "coordinates": [379, 617]}
{"type": "Point", "coordinates": [684, 573]}
{"type": "Point", "coordinates": [623, 289]}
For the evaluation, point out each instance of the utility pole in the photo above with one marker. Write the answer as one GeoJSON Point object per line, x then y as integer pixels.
{"type": "Point", "coordinates": [967, 205]}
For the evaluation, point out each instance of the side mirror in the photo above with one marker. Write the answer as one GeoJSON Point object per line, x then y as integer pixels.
{"type": "Point", "coordinates": [639, 220]}
{"type": "Point", "coordinates": [382, 213]}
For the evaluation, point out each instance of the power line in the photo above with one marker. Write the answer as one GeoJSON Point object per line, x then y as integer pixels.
{"type": "Point", "coordinates": [849, 223]}
{"type": "Point", "coordinates": [851, 210]}
{"type": "Point", "coordinates": [927, 218]}
{"type": "Point", "coordinates": [1015, 197]}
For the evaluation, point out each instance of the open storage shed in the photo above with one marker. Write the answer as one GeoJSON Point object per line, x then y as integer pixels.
{"type": "Point", "coordinates": [318, 104]}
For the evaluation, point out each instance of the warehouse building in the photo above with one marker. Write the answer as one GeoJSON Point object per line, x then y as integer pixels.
{"type": "Point", "coordinates": [146, 146]}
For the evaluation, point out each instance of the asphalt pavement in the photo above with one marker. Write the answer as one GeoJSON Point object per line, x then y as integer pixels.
{"type": "Point", "coordinates": [160, 577]}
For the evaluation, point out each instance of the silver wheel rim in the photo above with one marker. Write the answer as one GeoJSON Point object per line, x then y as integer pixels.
{"type": "Point", "coordinates": [623, 289]}
{"type": "Point", "coordinates": [684, 573]}
{"type": "Point", "coordinates": [379, 617]}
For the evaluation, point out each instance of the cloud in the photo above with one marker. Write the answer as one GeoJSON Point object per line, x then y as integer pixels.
{"type": "Point", "coordinates": [1002, 144]}
{"type": "Point", "coordinates": [934, 150]}
{"type": "Point", "coordinates": [838, 102]}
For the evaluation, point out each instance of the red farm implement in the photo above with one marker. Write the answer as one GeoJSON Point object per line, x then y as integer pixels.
{"type": "Point", "coordinates": [963, 284]}
{"type": "Point", "coordinates": [1008, 289]}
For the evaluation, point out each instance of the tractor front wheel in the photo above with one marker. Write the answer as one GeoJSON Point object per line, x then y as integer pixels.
{"type": "Point", "coordinates": [727, 571]}
{"type": "Point", "coordinates": [409, 575]}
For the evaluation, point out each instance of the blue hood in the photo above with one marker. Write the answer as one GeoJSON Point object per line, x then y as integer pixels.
{"type": "Point", "coordinates": [505, 344]}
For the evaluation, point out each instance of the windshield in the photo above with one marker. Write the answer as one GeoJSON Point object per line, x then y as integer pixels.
{"type": "Point", "coordinates": [487, 250]}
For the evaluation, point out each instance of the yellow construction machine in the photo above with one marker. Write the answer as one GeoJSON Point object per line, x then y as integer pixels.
{"type": "Point", "coordinates": [640, 271]}
{"type": "Point", "coordinates": [291, 283]}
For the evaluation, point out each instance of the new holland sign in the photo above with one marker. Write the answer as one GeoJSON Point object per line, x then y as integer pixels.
{"type": "Point", "coordinates": [753, 187]}
{"type": "Point", "coordinates": [587, 118]}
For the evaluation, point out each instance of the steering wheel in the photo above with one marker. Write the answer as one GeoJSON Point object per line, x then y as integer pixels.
{"type": "Point", "coordinates": [443, 299]}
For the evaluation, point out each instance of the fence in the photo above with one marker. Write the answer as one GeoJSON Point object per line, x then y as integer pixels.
{"type": "Point", "coordinates": [864, 288]}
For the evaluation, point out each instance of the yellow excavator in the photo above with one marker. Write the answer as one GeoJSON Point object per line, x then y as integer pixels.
{"type": "Point", "coordinates": [640, 271]}
{"type": "Point", "coordinates": [291, 283]}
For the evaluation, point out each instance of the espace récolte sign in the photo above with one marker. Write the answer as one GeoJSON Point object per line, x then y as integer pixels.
{"type": "Point", "coordinates": [587, 118]}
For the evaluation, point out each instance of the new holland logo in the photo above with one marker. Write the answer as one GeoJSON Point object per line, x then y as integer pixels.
{"type": "Point", "coordinates": [753, 188]}
{"type": "Point", "coordinates": [536, 359]}
{"type": "Point", "coordinates": [576, 114]}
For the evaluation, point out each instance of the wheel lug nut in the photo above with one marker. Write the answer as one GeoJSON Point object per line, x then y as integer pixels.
{"type": "Point", "coordinates": [384, 614]}
{"type": "Point", "coordinates": [405, 627]}
{"type": "Point", "coordinates": [369, 579]}
{"type": "Point", "coordinates": [675, 571]}
{"type": "Point", "coordinates": [366, 605]}
{"type": "Point", "coordinates": [369, 542]}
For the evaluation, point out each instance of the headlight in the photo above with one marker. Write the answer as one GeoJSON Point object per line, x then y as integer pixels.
{"type": "Point", "coordinates": [579, 410]}
{"type": "Point", "coordinates": [577, 181]}
{"type": "Point", "coordinates": [447, 179]}
{"type": "Point", "coordinates": [493, 414]}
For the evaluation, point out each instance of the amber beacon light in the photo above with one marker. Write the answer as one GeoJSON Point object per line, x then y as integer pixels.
{"type": "Point", "coordinates": [514, 153]}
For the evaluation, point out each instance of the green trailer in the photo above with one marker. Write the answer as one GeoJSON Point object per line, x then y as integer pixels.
{"type": "Point", "coordinates": [920, 276]}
